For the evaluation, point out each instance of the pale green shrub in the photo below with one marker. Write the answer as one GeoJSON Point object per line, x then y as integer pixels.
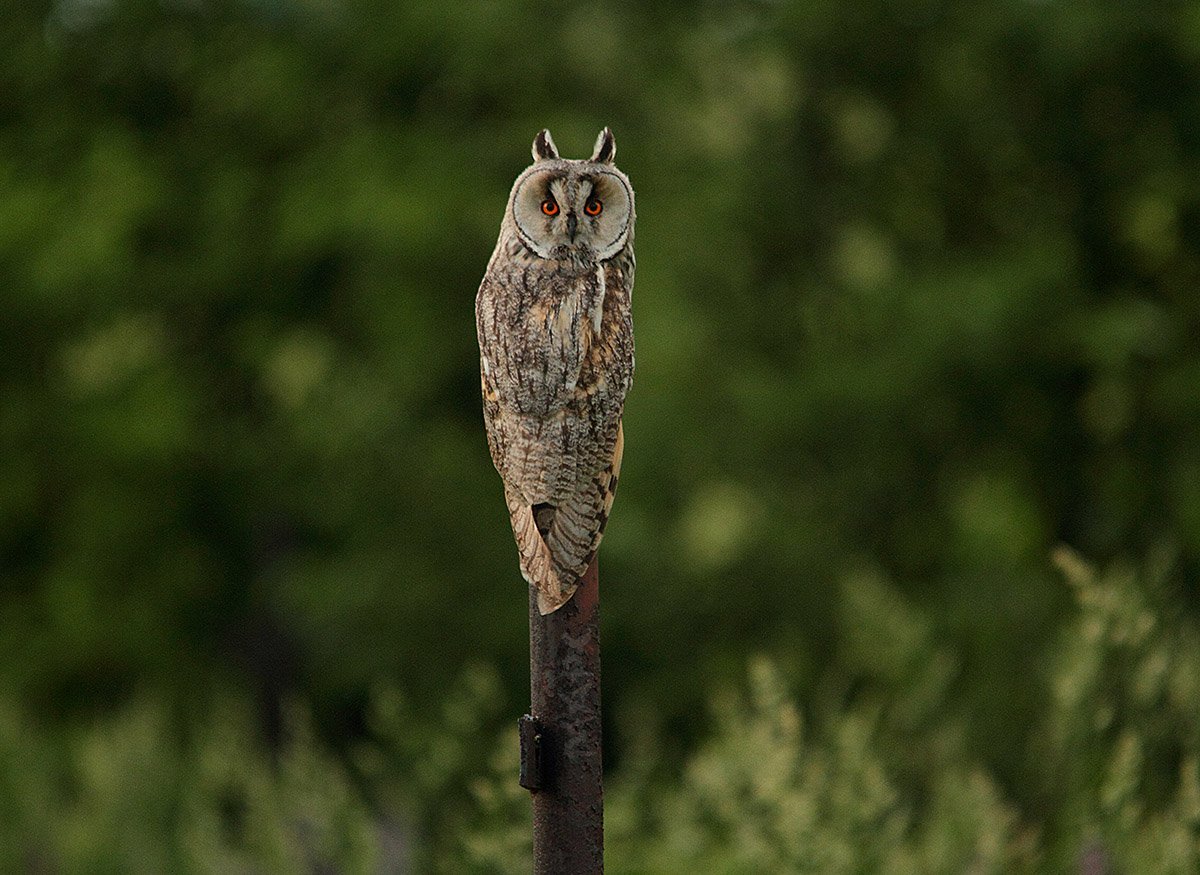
{"type": "Point", "coordinates": [131, 794]}
{"type": "Point", "coordinates": [871, 773]}
{"type": "Point", "coordinates": [1122, 734]}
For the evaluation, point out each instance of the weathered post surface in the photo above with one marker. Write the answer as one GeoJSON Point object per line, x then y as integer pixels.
{"type": "Point", "coordinates": [560, 741]}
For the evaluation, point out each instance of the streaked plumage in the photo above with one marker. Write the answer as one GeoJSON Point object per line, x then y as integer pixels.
{"type": "Point", "coordinates": [556, 357]}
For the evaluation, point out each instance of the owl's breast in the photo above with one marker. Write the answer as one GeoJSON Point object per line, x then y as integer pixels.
{"type": "Point", "coordinates": [535, 330]}
{"type": "Point", "coordinates": [557, 359]}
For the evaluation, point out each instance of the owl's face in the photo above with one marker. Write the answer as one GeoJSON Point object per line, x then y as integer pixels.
{"type": "Point", "coordinates": [578, 211]}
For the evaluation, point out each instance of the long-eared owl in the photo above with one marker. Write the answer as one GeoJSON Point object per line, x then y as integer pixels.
{"type": "Point", "coordinates": [556, 357]}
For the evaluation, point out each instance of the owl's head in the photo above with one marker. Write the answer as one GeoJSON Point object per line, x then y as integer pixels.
{"type": "Point", "coordinates": [578, 211]}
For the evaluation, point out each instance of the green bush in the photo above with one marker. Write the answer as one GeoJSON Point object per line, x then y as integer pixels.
{"type": "Point", "coordinates": [874, 775]}
{"type": "Point", "coordinates": [884, 783]}
{"type": "Point", "coordinates": [132, 793]}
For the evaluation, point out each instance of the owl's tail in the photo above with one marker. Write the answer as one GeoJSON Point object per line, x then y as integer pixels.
{"type": "Point", "coordinates": [557, 543]}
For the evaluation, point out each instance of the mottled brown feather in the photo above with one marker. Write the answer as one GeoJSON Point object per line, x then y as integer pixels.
{"type": "Point", "coordinates": [555, 564]}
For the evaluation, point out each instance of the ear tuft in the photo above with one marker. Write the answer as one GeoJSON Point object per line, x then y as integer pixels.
{"type": "Point", "coordinates": [606, 148]}
{"type": "Point", "coordinates": [543, 146]}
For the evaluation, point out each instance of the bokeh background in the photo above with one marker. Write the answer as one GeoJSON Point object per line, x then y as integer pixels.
{"type": "Point", "coordinates": [901, 575]}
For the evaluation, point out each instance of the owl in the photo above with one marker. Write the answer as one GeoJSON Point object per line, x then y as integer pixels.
{"type": "Point", "coordinates": [556, 357]}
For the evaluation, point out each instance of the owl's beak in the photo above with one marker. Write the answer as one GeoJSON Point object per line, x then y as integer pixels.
{"type": "Point", "coordinates": [572, 224]}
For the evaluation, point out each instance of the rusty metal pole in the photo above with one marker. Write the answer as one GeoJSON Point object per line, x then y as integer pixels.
{"type": "Point", "coordinates": [560, 740]}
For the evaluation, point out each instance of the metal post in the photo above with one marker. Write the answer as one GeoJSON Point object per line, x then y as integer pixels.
{"type": "Point", "coordinates": [560, 741]}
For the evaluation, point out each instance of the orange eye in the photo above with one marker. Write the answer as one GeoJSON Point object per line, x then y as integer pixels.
{"type": "Point", "coordinates": [593, 207]}
{"type": "Point", "coordinates": [550, 207]}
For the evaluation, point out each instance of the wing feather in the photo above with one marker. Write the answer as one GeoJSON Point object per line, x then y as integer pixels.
{"type": "Point", "coordinates": [555, 564]}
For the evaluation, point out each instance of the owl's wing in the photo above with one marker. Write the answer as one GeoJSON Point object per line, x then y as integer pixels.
{"type": "Point", "coordinates": [556, 544]}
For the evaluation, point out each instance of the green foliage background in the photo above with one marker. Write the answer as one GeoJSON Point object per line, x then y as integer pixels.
{"type": "Point", "coordinates": [916, 302]}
